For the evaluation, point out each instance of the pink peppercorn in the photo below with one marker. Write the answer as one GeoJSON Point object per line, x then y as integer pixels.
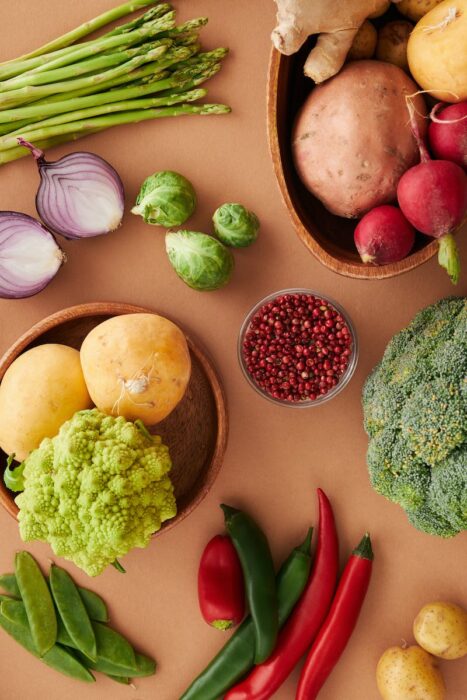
{"type": "Point", "coordinates": [297, 347]}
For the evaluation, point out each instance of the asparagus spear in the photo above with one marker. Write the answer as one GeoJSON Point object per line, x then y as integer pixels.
{"type": "Point", "coordinates": [87, 28]}
{"type": "Point", "coordinates": [133, 116]}
{"type": "Point", "coordinates": [21, 151]}
{"type": "Point", "coordinates": [13, 98]}
{"type": "Point", "coordinates": [104, 44]}
{"type": "Point", "coordinates": [18, 66]}
{"type": "Point", "coordinates": [165, 100]}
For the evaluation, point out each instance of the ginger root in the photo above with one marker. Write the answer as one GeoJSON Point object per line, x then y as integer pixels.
{"type": "Point", "coordinates": [336, 22]}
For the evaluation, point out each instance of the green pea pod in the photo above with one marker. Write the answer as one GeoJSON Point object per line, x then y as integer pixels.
{"type": "Point", "coordinates": [57, 657]}
{"type": "Point", "coordinates": [37, 601]}
{"type": "Point", "coordinates": [145, 666]}
{"type": "Point", "coordinates": [114, 649]}
{"type": "Point", "coordinates": [72, 611]}
{"type": "Point", "coordinates": [14, 611]}
{"type": "Point", "coordinates": [237, 656]}
{"type": "Point", "coordinates": [119, 679]}
{"type": "Point", "coordinates": [260, 581]}
{"type": "Point", "coordinates": [5, 598]}
{"type": "Point", "coordinates": [63, 637]}
{"type": "Point", "coordinates": [8, 583]}
{"type": "Point", "coordinates": [95, 606]}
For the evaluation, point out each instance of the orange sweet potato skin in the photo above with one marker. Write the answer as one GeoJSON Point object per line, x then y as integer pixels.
{"type": "Point", "coordinates": [352, 141]}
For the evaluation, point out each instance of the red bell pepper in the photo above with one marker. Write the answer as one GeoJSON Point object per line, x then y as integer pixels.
{"type": "Point", "coordinates": [340, 622]}
{"type": "Point", "coordinates": [305, 620]}
{"type": "Point", "coordinates": [221, 587]}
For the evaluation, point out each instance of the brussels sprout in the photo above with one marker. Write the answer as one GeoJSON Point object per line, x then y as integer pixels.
{"type": "Point", "coordinates": [235, 225]}
{"type": "Point", "coordinates": [200, 260]}
{"type": "Point", "coordinates": [166, 198]}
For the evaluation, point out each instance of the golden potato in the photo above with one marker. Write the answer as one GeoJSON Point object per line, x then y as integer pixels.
{"type": "Point", "coordinates": [416, 9]}
{"type": "Point", "coordinates": [441, 629]}
{"type": "Point", "coordinates": [392, 43]}
{"type": "Point", "coordinates": [380, 12]}
{"type": "Point", "coordinates": [409, 674]}
{"type": "Point", "coordinates": [40, 391]}
{"type": "Point", "coordinates": [136, 366]}
{"type": "Point", "coordinates": [364, 43]}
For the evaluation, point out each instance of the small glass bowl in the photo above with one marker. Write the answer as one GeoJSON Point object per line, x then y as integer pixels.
{"type": "Point", "coordinates": [345, 377]}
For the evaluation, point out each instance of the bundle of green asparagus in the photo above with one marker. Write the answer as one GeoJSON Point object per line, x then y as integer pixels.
{"type": "Point", "coordinates": [144, 69]}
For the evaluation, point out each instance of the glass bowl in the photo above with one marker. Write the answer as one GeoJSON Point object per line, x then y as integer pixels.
{"type": "Point", "coordinates": [344, 378]}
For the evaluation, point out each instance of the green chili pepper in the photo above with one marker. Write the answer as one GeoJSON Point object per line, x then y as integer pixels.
{"type": "Point", "coordinates": [37, 602]}
{"type": "Point", "coordinates": [57, 657]}
{"type": "Point", "coordinates": [95, 606]}
{"type": "Point", "coordinates": [237, 656]}
{"type": "Point", "coordinates": [72, 611]}
{"type": "Point", "coordinates": [260, 582]}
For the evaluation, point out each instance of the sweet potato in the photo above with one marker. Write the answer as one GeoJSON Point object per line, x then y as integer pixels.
{"type": "Point", "coordinates": [352, 140]}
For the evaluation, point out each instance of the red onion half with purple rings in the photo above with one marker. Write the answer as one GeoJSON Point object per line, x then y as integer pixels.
{"type": "Point", "coordinates": [80, 195]}
{"type": "Point", "coordinates": [29, 256]}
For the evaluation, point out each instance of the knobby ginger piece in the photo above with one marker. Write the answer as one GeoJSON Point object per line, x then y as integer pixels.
{"type": "Point", "coordinates": [336, 23]}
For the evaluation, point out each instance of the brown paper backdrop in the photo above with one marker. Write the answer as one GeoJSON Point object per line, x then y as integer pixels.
{"type": "Point", "coordinates": [276, 456]}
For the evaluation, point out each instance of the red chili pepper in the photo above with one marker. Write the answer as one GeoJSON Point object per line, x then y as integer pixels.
{"type": "Point", "coordinates": [221, 587]}
{"type": "Point", "coordinates": [305, 620]}
{"type": "Point", "coordinates": [340, 622]}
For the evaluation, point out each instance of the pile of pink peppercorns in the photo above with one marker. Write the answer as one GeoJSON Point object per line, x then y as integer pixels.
{"type": "Point", "coordinates": [297, 347]}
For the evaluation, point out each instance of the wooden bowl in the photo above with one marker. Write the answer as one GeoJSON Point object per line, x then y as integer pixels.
{"type": "Point", "coordinates": [196, 431]}
{"type": "Point", "coordinates": [328, 237]}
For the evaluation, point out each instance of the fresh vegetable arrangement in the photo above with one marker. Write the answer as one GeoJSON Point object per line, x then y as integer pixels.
{"type": "Point", "coordinates": [304, 606]}
{"type": "Point", "coordinates": [408, 672]}
{"type": "Point", "coordinates": [65, 625]}
{"type": "Point", "coordinates": [64, 90]}
{"type": "Point", "coordinates": [415, 414]}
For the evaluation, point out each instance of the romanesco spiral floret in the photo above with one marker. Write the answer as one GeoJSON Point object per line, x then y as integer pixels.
{"type": "Point", "coordinates": [415, 413]}
{"type": "Point", "coordinates": [96, 490]}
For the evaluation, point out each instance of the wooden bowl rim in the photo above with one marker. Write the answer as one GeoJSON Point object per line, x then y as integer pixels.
{"type": "Point", "coordinates": [343, 267]}
{"type": "Point", "coordinates": [118, 309]}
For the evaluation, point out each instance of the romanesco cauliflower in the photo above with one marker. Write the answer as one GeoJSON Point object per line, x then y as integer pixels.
{"type": "Point", "coordinates": [96, 490]}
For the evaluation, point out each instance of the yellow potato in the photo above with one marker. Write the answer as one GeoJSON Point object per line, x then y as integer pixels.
{"type": "Point", "coordinates": [364, 43]}
{"type": "Point", "coordinates": [441, 629]}
{"type": "Point", "coordinates": [392, 43]}
{"type": "Point", "coordinates": [380, 12]}
{"type": "Point", "coordinates": [409, 674]}
{"type": "Point", "coordinates": [416, 9]}
{"type": "Point", "coordinates": [436, 51]}
{"type": "Point", "coordinates": [136, 366]}
{"type": "Point", "coordinates": [41, 390]}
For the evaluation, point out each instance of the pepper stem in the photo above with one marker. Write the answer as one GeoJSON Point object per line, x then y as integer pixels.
{"type": "Point", "coordinates": [364, 549]}
{"type": "Point", "coordinates": [229, 512]}
{"type": "Point", "coordinates": [448, 257]}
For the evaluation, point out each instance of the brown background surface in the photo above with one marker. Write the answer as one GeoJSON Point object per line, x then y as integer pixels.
{"type": "Point", "coordinates": [276, 456]}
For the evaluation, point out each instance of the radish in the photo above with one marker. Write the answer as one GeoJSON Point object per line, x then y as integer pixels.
{"type": "Point", "coordinates": [433, 197]}
{"type": "Point", "coordinates": [447, 133]}
{"type": "Point", "coordinates": [384, 236]}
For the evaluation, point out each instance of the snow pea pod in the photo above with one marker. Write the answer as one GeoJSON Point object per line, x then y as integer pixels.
{"type": "Point", "coordinates": [119, 679]}
{"type": "Point", "coordinates": [37, 602]}
{"type": "Point", "coordinates": [113, 648]}
{"type": "Point", "coordinates": [95, 606]}
{"type": "Point", "coordinates": [237, 656]}
{"type": "Point", "coordinates": [57, 657]}
{"type": "Point", "coordinates": [72, 611]}
{"type": "Point", "coordinates": [260, 580]}
{"type": "Point", "coordinates": [8, 583]}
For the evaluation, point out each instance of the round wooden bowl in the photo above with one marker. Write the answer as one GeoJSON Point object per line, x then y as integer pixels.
{"type": "Point", "coordinates": [328, 237]}
{"type": "Point", "coordinates": [195, 432]}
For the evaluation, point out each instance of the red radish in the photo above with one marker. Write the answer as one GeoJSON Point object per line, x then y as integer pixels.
{"type": "Point", "coordinates": [447, 133]}
{"type": "Point", "coordinates": [433, 197]}
{"type": "Point", "coordinates": [384, 236]}
{"type": "Point", "coordinates": [221, 586]}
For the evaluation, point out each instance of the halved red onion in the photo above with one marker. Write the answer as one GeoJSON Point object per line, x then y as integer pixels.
{"type": "Point", "coordinates": [80, 195]}
{"type": "Point", "coordinates": [29, 256]}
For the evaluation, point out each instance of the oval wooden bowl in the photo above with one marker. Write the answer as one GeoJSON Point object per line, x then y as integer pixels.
{"type": "Point", "coordinates": [328, 237]}
{"type": "Point", "coordinates": [196, 431]}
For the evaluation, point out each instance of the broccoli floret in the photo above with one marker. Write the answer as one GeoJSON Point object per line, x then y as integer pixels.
{"type": "Point", "coordinates": [415, 413]}
{"type": "Point", "coordinates": [96, 490]}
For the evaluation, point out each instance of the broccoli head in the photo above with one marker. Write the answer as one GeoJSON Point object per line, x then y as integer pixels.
{"type": "Point", "coordinates": [96, 490]}
{"type": "Point", "coordinates": [415, 414]}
